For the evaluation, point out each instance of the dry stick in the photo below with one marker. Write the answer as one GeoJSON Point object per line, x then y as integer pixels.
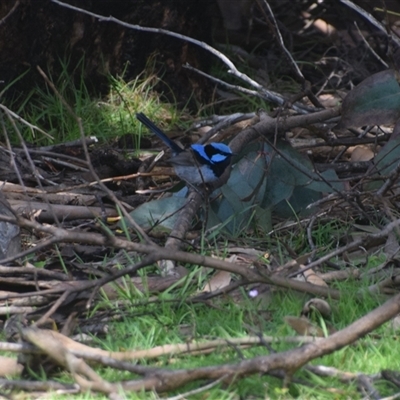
{"type": "Point", "coordinates": [289, 361]}
{"type": "Point", "coordinates": [221, 122]}
{"type": "Point", "coordinates": [23, 121]}
{"type": "Point", "coordinates": [294, 359]}
{"type": "Point", "coordinates": [32, 294]}
{"type": "Point", "coordinates": [347, 141]}
{"type": "Point", "coordinates": [201, 389]}
{"type": "Point", "coordinates": [279, 37]}
{"type": "Point", "coordinates": [66, 164]}
{"type": "Point", "coordinates": [204, 297]}
{"type": "Point", "coordinates": [181, 348]}
{"type": "Point", "coordinates": [85, 185]}
{"type": "Point", "coordinates": [268, 125]}
{"type": "Point", "coordinates": [14, 7]}
{"type": "Point", "coordinates": [311, 243]}
{"type": "Point", "coordinates": [40, 272]}
{"type": "Point", "coordinates": [118, 359]}
{"type": "Point", "coordinates": [39, 386]}
{"type": "Point", "coordinates": [31, 163]}
{"type": "Point", "coordinates": [24, 348]}
{"type": "Point", "coordinates": [371, 19]}
{"type": "Point", "coordinates": [54, 348]}
{"type": "Point", "coordinates": [158, 253]}
{"type": "Point", "coordinates": [72, 143]}
{"type": "Point", "coordinates": [366, 387]}
{"type": "Point", "coordinates": [391, 180]}
{"type": "Point", "coordinates": [12, 310]}
{"type": "Point", "coordinates": [92, 171]}
{"type": "Point", "coordinates": [43, 319]}
{"type": "Point", "coordinates": [323, 370]}
{"type": "Point", "coordinates": [72, 349]}
{"type": "Point", "coordinates": [12, 155]}
{"type": "Point", "coordinates": [94, 382]}
{"type": "Point", "coordinates": [230, 86]}
{"type": "Point", "coordinates": [374, 53]}
{"type": "Point", "coordinates": [42, 245]}
{"type": "Point", "coordinates": [353, 245]}
{"type": "Point", "coordinates": [17, 172]}
{"type": "Point", "coordinates": [65, 212]}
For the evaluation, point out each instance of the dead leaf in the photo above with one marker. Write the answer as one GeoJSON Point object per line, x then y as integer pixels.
{"type": "Point", "coordinates": [361, 153]}
{"type": "Point", "coordinates": [312, 277]}
{"type": "Point", "coordinates": [9, 366]}
{"type": "Point", "coordinates": [303, 326]}
{"type": "Point", "coordinates": [367, 228]}
{"type": "Point", "coordinates": [375, 101]}
{"type": "Point", "coordinates": [220, 280]}
{"type": "Point", "coordinates": [320, 305]}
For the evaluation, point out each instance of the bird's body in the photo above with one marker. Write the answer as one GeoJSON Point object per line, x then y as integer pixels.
{"type": "Point", "coordinates": [197, 164]}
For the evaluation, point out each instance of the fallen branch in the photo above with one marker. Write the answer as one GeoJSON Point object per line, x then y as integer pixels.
{"type": "Point", "coordinates": [162, 380]}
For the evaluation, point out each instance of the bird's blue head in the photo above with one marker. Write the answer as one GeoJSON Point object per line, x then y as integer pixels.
{"type": "Point", "coordinates": [213, 153]}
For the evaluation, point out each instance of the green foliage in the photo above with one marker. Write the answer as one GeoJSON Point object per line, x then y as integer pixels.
{"type": "Point", "coordinates": [263, 179]}
{"type": "Point", "coordinates": [43, 108]}
{"type": "Point", "coordinates": [160, 215]}
{"type": "Point", "coordinates": [104, 117]}
{"type": "Point", "coordinates": [375, 101]}
{"type": "Point", "coordinates": [385, 163]}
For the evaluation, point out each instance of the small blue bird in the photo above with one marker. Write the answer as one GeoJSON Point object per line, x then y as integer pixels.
{"type": "Point", "coordinates": [199, 163]}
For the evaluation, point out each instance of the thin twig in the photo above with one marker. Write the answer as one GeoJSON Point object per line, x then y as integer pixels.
{"type": "Point", "coordinates": [371, 19]}
{"type": "Point", "coordinates": [14, 7]}
{"type": "Point", "coordinates": [374, 53]}
{"type": "Point", "coordinates": [183, 396]}
{"type": "Point", "coordinates": [23, 121]}
{"type": "Point", "coordinates": [90, 166]}
{"type": "Point", "coordinates": [278, 34]}
{"type": "Point", "coordinates": [43, 319]}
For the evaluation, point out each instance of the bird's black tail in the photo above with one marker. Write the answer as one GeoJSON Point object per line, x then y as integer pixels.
{"type": "Point", "coordinates": [155, 129]}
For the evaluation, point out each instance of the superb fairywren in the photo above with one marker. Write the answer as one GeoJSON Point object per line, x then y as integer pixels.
{"type": "Point", "coordinates": [199, 163]}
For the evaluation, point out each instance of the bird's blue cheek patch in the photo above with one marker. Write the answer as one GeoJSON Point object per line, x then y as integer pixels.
{"type": "Point", "coordinates": [218, 158]}
{"type": "Point", "coordinates": [199, 148]}
{"type": "Point", "coordinates": [212, 153]}
{"type": "Point", "coordinates": [220, 147]}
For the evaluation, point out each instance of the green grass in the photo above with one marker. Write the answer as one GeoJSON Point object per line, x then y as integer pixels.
{"type": "Point", "coordinates": [107, 118]}
{"type": "Point", "coordinates": [146, 326]}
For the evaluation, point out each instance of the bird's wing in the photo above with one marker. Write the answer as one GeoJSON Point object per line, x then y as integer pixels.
{"type": "Point", "coordinates": [184, 159]}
